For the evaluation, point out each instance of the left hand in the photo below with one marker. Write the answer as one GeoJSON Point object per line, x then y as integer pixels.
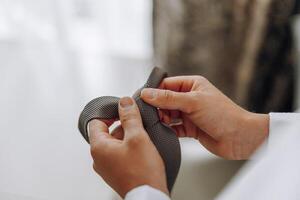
{"type": "Point", "coordinates": [127, 158]}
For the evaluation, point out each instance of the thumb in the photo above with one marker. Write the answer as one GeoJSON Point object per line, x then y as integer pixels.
{"type": "Point", "coordinates": [130, 118]}
{"type": "Point", "coordinates": [167, 99]}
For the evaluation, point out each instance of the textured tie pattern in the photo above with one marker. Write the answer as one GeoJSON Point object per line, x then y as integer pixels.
{"type": "Point", "coordinates": [162, 136]}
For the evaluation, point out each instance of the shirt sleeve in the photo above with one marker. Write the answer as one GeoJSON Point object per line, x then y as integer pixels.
{"type": "Point", "coordinates": [279, 123]}
{"type": "Point", "coordinates": [146, 192]}
{"type": "Point", "coordinates": [273, 174]}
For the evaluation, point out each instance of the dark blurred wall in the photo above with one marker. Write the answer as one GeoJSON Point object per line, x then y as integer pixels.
{"type": "Point", "coordinates": [244, 47]}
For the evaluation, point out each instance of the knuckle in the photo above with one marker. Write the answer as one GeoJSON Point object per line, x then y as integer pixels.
{"type": "Point", "coordinates": [130, 114]}
{"type": "Point", "coordinates": [129, 118]}
{"type": "Point", "coordinates": [195, 96]}
{"type": "Point", "coordinates": [168, 95]}
{"type": "Point", "coordinates": [188, 109]}
{"type": "Point", "coordinates": [194, 101]}
{"type": "Point", "coordinates": [201, 79]}
{"type": "Point", "coordinates": [136, 141]}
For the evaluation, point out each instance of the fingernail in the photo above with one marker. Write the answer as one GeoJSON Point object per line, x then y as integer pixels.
{"type": "Point", "coordinates": [149, 93]}
{"type": "Point", "coordinates": [126, 102]}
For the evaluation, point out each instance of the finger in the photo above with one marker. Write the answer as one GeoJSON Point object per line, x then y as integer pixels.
{"type": "Point", "coordinates": [178, 84]}
{"type": "Point", "coordinates": [170, 117]}
{"type": "Point", "coordinates": [176, 118]}
{"type": "Point", "coordinates": [175, 114]}
{"type": "Point", "coordinates": [179, 130]}
{"type": "Point", "coordinates": [166, 116]}
{"type": "Point", "coordinates": [191, 130]}
{"type": "Point", "coordinates": [160, 114]}
{"type": "Point", "coordinates": [130, 118]}
{"type": "Point", "coordinates": [187, 128]}
{"type": "Point", "coordinates": [208, 142]}
{"type": "Point", "coordinates": [98, 132]}
{"type": "Point", "coordinates": [167, 99]}
{"type": "Point", "coordinates": [109, 122]}
{"type": "Point", "coordinates": [118, 133]}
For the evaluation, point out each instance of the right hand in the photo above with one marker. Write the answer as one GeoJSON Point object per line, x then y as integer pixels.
{"type": "Point", "coordinates": [127, 158]}
{"type": "Point", "coordinates": [207, 115]}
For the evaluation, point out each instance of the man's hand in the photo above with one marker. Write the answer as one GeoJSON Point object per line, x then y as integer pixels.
{"type": "Point", "coordinates": [127, 158]}
{"type": "Point", "coordinates": [195, 108]}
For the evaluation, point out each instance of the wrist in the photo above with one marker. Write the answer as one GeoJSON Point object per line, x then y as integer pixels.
{"type": "Point", "coordinates": [260, 124]}
{"type": "Point", "coordinates": [256, 130]}
{"type": "Point", "coordinates": [157, 184]}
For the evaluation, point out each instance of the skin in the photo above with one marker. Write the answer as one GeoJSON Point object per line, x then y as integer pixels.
{"type": "Point", "coordinates": [207, 115]}
{"type": "Point", "coordinates": [127, 158]}
{"type": "Point", "coordinates": [194, 108]}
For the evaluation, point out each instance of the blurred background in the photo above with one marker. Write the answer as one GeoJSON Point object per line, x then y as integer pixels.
{"type": "Point", "coordinates": [55, 56]}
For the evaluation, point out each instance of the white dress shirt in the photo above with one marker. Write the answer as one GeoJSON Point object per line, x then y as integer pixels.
{"type": "Point", "coordinates": [146, 192]}
{"type": "Point", "coordinates": [274, 172]}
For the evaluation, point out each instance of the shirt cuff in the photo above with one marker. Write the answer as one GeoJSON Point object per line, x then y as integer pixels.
{"type": "Point", "coordinates": [279, 123]}
{"type": "Point", "coordinates": [146, 192]}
